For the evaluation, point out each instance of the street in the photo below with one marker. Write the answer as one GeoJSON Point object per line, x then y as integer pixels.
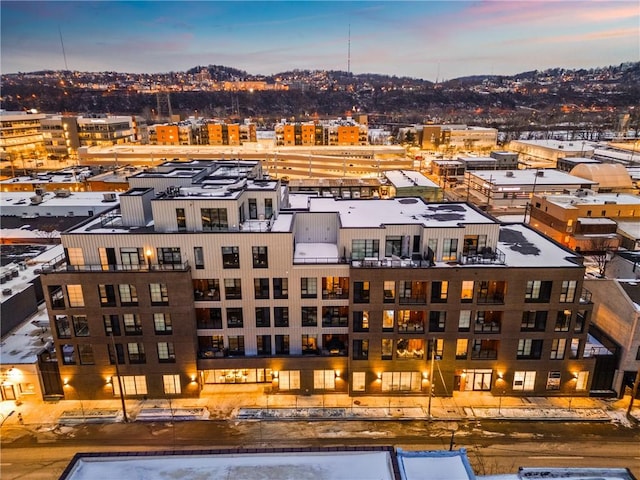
{"type": "Point", "coordinates": [493, 446]}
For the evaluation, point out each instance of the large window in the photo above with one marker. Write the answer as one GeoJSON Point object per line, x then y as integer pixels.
{"type": "Point", "coordinates": [361, 321]}
{"type": "Point", "coordinates": [80, 325]}
{"type": "Point", "coordinates": [76, 299]}
{"type": "Point", "coordinates": [360, 292]}
{"type": "Point", "coordinates": [268, 208]}
{"type": "Point", "coordinates": [563, 320]}
{"type": "Point", "coordinates": [68, 354]}
{"type": "Point", "coordinates": [128, 294]}
{"type": "Point", "coordinates": [131, 256]}
{"type": "Point", "coordinates": [309, 287]}
{"type": "Point", "coordinates": [389, 291]}
{"type": "Point", "coordinates": [159, 295]}
{"type": "Point", "coordinates": [324, 380]}
{"type": "Point", "coordinates": [253, 209]}
{"type": "Point", "coordinates": [282, 344]}
{"type": "Point", "coordinates": [234, 318]}
{"type": "Point", "coordinates": [107, 295]}
{"type": "Point", "coordinates": [281, 316]}
{"type": "Point", "coordinates": [439, 291]}
{"type": "Point", "coordinates": [230, 257]}
{"type": "Point", "coordinates": [529, 349]}
{"type": "Point", "coordinates": [263, 343]}
{"type": "Point", "coordinates": [162, 323]}
{"type": "Point", "coordinates": [166, 352]}
{"type": "Point", "coordinates": [524, 380]}
{"type": "Point", "coordinates": [260, 257]}
{"type": "Point", "coordinates": [198, 256]}
{"type": "Point", "coordinates": [437, 321]}
{"type": "Point", "coordinates": [462, 348]}
{"type": "Point", "coordinates": [401, 381]}
{"type": "Point", "coordinates": [450, 250]}
{"type": "Point", "coordinates": [413, 292]}
{"type": "Point", "coordinates": [261, 288]}
{"type": "Point", "coordinates": [232, 289]}
{"type": "Point", "coordinates": [56, 296]}
{"type": "Point", "coordinates": [169, 256]}
{"type": "Point", "coordinates": [214, 219]}
{"type": "Point", "coordinates": [131, 384]}
{"type": "Point", "coordinates": [388, 320]}
{"type": "Point", "coordinates": [111, 325]}
{"type": "Point", "coordinates": [209, 318]}
{"type": "Point", "coordinates": [171, 384]}
{"type": "Point", "coordinates": [181, 220]}
{"type": "Point", "coordinates": [466, 294]}
{"type": "Point", "coordinates": [281, 288]}
{"type": "Point", "coordinates": [63, 326]}
{"type": "Point", "coordinates": [393, 246]}
{"type": "Point", "coordinates": [387, 348]}
{"type": "Point", "coordinates": [537, 291]}
{"type": "Point", "coordinates": [309, 316]}
{"type": "Point", "coordinates": [411, 321]}
{"type": "Point", "coordinates": [263, 317]}
{"type": "Point", "coordinates": [568, 291]}
{"type": "Point", "coordinates": [365, 249]}
{"type": "Point", "coordinates": [360, 349]}
{"type": "Point", "coordinates": [132, 324]}
{"type": "Point", "coordinates": [557, 348]}
{"type": "Point", "coordinates": [464, 321]}
{"type": "Point", "coordinates": [136, 353]}
{"type": "Point", "coordinates": [85, 354]}
{"type": "Point", "coordinates": [335, 316]}
{"type": "Point", "coordinates": [534, 321]}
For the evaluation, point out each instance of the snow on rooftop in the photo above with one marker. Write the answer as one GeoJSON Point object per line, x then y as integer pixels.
{"type": "Point", "coordinates": [23, 344]}
{"type": "Point", "coordinates": [595, 221]}
{"type": "Point", "coordinates": [409, 178]}
{"type": "Point", "coordinates": [529, 177]}
{"type": "Point", "coordinates": [524, 247]}
{"type": "Point", "coordinates": [50, 199]}
{"type": "Point", "coordinates": [630, 228]}
{"type": "Point", "coordinates": [592, 198]}
{"type": "Point", "coordinates": [316, 252]}
{"type": "Point", "coordinates": [374, 465]}
{"type": "Point", "coordinates": [375, 213]}
{"type": "Point", "coordinates": [435, 465]}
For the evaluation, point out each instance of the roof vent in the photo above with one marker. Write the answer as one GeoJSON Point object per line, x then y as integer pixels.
{"type": "Point", "coordinates": [509, 173]}
{"type": "Point", "coordinates": [36, 200]}
{"type": "Point", "coordinates": [63, 192]}
{"type": "Point", "coordinates": [108, 197]}
{"type": "Point", "coordinates": [540, 173]}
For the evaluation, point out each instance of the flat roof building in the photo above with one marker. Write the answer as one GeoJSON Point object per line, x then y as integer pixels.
{"type": "Point", "coordinates": [206, 273]}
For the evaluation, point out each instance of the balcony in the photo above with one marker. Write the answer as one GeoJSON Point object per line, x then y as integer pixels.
{"type": "Point", "coordinates": [485, 256]}
{"type": "Point", "coordinates": [56, 267]}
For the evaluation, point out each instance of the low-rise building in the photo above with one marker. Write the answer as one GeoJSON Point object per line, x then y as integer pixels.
{"type": "Point", "coordinates": [545, 153]}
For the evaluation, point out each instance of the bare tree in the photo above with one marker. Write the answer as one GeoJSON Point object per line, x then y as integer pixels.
{"type": "Point", "coordinates": [600, 249]}
{"type": "Point", "coordinates": [48, 232]}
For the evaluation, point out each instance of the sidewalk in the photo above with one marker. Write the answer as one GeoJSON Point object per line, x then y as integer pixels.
{"type": "Point", "coordinates": [250, 403]}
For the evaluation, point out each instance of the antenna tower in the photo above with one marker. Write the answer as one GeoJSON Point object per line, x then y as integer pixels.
{"type": "Point", "coordinates": [164, 105]}
{"type": "Point", "coordinates": [349, 53]}
{"type": "Point", "coordinates": [64, 55]}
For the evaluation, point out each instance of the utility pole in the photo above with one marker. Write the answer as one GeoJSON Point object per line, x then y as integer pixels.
{"type": "Point", "coordinates": [433, 358]}
{"type": "Point", "coordinates": [634, 392]}
{"type": "Point", "coordinates": [115, 358]}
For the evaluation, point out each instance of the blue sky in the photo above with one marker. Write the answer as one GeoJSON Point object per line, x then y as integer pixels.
{"type": "Point", "coordinates": [425, 39]}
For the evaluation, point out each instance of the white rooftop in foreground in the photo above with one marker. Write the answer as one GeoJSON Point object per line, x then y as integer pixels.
{"type": "Point", "coordinates": [367, 465]}
{"type": "Point", "coordinates": [529, 177]}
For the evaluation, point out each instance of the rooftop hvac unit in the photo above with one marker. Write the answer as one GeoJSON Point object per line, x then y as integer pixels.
{"type": "Point", "coordinates": [108, 197]}
{"type": "Point", "coordinates": [39, 191]}
{"type": "Point", "coordinates": [63, 192]}
{"type": "Point", "coordinates": [509, 173]}
{"type": "Point", "coordinates": [36, 200]}
{"type": "Point", "coordinates": [540, 173]}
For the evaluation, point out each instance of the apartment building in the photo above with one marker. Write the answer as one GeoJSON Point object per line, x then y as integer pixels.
{"type": "Point", "coordinates": [340, 132]}
{"type": "Point", "coordinates": [20, 137]}
{"type": "Point", "coordinates": [457, 138]}
{"type": "Point", "coordinates": [208, 274]}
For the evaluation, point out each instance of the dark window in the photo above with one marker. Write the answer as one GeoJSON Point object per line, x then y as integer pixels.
{"type": "Point", "coordinates": [360, 292]}
{"type": "Point", "coordinates": [198, 255]}
{"type": "Point", "coordinates": [281, 316]}
{"type": "Point", "coordinates": [260, 258]}
{"type": "Point", "coordinates": [367, 248]}
{"type": "Point", "coordinates": [234, 318]}
{"type": "Point", "coordinates": [393, 246]}
{"type": "Point", "coordinates": [361, 349]}
{"type": "Point", "coordinates": [214, 219]}
{"type": "Point", "coordinates": [268, 208]}
{"type": "Point", "coordinates": [85, 354]}
{"type": "Point", "coordinates": [264, 344]}
{"type": "Point", "coordinates": [68, 354]}
{"type": "Point", "coordinates": [169, 256]}
{"type": "Point", "coordinates": [253, 209]}
{"type": "Point", "coordinates": [335, 316]}
{"type": "Point", "coordinates": [230, 257]}
{"type": "Point", "coordinates": [413, 292]}
{"type": "Point", "coordinates": [181, 220]}
{"type": "Point", "coordinates": [107, 295]}
{"type": "Point", "coordinates": [563, 320]}
{"type": "Point", "coordinates": [111, 325]}
{"type": "Point", "coordinates": [309, 287]}
{"type": "Point", "coordinates": [309, 316]}
{"type": "Point", "coordinates": [439, 292]}
{"type": "Point", "coordinates": [534, 321]}
{"type": "Point", "coordinates": [63, 326]}
{"type": "Point", "coordinates": [236, 345]}
{"type": "Point", "coordinates": [56, 296]}
{"type": "Point", "coordinates": [263, 317]}
{"type": "Point", "coordinates": [360, 321]}
{"type": "Point", "coordinates": [437, 321]}
{"type": "Point", "coordinates": [282, 344]}
{"type": "Point", "coordinates": [119, 352]}
{"type": "Point", "coordinates": [261, 288]}
{"type": "Point", "coordinates": [529, 349]}
{"type": "Point", "coordinates": [485, 349]}
{"type": "Point", "coordinates": [538, 291]}
{"type": "Point", "coordinates": [80, 325]}
{"type": "Point", "coordinates": [206, 289]}
{"type": "Point", "coordinates": [232, 289]}
{"type": "Point", "coordinates": [280, 288]}
{"type": "Point", "coordinates": [209, 318]}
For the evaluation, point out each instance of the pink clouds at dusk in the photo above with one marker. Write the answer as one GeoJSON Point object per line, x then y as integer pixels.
{"type": "Point", "coordinates": [419, 39]}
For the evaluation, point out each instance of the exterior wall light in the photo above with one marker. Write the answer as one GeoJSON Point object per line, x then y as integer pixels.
{"type": "Point", "coordinates": [337, 372]}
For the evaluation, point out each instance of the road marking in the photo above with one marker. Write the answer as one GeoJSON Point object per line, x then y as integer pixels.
{"type": "Point", "coordinates": [549, 457]}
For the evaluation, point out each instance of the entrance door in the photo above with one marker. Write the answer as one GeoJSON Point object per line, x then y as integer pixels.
{"type": "Point", "coordinates": [478, 380]}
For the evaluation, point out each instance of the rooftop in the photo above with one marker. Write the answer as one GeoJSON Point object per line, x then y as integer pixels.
{"type": "Point", "coordinates": [409, 178]}
{"type": "Point", "coordinates": [565, 146]}
{"type": "Point", "coordinates": [592, 198]}
{"type": "Point", "coordinates": [22, 345]}
{"type": "Point", "coordinates": [530, 177]}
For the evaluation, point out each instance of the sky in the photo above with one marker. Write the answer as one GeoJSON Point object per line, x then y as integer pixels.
{"type": "Point", "coordinates": [433, 40]}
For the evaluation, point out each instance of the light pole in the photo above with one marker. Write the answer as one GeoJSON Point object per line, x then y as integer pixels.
{"type": "Point", "coordinates": [115, 361]}
{"type": "Point", "coordinates": [433, 358]}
